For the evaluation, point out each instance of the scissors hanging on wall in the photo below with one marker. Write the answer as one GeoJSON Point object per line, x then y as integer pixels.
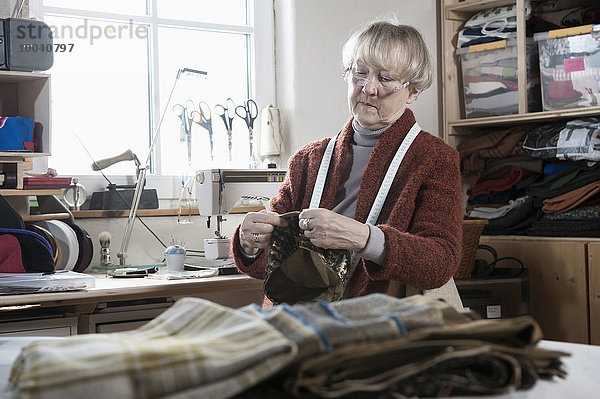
{"type": "Point", "coordinates": [249, 112]}
{"type": "Point", "coordinates": [203, 117]}
{"type": "Point", "coordinates": [186, 114]}
{"type": "Point", "coordinates": [226, 112]}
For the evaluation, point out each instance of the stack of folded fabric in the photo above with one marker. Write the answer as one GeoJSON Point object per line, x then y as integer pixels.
{"type": "Point", "coordinates": [415, 346]}
{"type": "Point", "coordinates": [352, 351]}
{"type": "Point", "coordinates": [571, 183]}
{"type": "Point", "coordinates": [573, 194]}
{"type": "Point", "coordinates": [494, 148]}
{"type": "Point", "coordinates": [582, 221]}
{"type": "Point", "coordinates": [499, 171]}
{"type": "Point", "coordinates": [490, 25]}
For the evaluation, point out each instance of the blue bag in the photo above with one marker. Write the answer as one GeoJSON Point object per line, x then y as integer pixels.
{"type": "Point", "coordinates": [16, 134]}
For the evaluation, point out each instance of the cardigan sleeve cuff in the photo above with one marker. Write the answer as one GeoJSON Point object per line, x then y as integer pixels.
{"type": "Point", "coordinates": [247, 258]}
{"type": "Point", "coordinates": [374, 251]}
{"type": "Point", "coordinates": [252, 266]}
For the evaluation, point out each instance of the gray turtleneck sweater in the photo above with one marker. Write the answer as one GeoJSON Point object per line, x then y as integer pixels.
{"type": "Point", "coordinates": [345, 198]}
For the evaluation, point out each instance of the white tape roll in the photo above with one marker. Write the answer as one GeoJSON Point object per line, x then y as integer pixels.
{"type": "Point", "coordinates": [67, 239]}
{"type": "Point", "coordinates": [271, 137]}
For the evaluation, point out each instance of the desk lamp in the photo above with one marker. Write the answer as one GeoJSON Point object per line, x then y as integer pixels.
{"type": "Point", "coordinates": [141, 177]}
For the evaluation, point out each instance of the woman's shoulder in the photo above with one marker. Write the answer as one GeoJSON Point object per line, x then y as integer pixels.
{"type": "Point", "coordinates": [311, 149]}
{"type": "Point", "coordinates": [437, 144]}
{"type": "Point", "coordinates": [316, 144]}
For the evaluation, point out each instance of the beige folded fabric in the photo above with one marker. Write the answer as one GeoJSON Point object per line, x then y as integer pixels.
{"type": "Point", "coordinates": [196, 349]}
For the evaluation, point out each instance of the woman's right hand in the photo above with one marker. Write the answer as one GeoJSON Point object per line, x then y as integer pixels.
{"type": "Point", "coordinates": [256, 230]}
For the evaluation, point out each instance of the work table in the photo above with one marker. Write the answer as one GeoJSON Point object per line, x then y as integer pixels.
{"type": "Point", "coordinates": [122, 289]}
{"type": "Point", "coordinates": [132, 299]}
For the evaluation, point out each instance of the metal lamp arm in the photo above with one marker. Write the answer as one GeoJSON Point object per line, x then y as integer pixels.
{"type": "Point", "coordinates": [141, 178]}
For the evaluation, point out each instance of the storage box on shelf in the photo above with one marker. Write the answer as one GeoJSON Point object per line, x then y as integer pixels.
{"type": "Point", "coordinates": [489, 78]}
{"type": "Point", "coordinates": [564, 272]}
{"type": "Point", "coordinates": [570, 67]}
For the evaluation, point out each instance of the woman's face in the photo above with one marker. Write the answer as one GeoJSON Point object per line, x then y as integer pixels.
{"type": "Point", "coordinates": [372, 105]}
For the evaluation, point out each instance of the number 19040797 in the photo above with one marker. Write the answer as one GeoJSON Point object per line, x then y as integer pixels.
{"type": "Point", "coordinates": [47, 48]}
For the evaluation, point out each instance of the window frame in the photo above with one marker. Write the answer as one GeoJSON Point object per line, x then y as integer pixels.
{"type": "Point", "coordinates": [261, 72]}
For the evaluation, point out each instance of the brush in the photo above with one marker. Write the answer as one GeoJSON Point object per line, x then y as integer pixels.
{"type": "Point", "coordinates": [104, 238]}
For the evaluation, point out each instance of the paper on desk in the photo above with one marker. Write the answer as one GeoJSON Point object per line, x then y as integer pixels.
{"type": "Point", "coordinates": [26, 283]}
{"type": "Point", "coordinates": [184, 275]}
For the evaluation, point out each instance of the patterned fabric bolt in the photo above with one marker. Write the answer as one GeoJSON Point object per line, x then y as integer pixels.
{"type": "Point", "coordinates": [324, 326]}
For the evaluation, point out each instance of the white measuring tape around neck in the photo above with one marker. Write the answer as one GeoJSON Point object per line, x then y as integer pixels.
{"type": "Point", "coordinates": [387, 180]}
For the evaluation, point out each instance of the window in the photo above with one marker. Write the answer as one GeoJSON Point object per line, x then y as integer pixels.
{"type": "Point", "coordinates": [110, 87]}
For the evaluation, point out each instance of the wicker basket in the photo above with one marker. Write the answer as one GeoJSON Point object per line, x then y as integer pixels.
{"type": "Point", "coordinates": [470, 241]}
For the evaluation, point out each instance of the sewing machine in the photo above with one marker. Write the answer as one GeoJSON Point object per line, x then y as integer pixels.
{"type": "Point", "coordinates": [219, 190]}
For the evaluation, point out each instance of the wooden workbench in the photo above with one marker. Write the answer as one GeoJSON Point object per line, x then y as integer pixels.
{"type": "Point", "coordinates": [126, 297]}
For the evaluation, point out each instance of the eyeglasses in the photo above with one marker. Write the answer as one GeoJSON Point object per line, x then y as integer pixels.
{"type": "Point", "coordinates": [359, 78]}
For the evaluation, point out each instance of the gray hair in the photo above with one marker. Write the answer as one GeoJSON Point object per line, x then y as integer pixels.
{"type": "Point", "coordinates": [399, 49]}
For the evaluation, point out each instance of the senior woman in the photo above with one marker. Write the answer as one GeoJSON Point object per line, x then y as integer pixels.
{"type": "Point", "coordinates": [416, 238]}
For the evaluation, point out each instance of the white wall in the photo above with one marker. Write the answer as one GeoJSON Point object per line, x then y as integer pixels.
{"type": "Point", "coordinates": [144, 249]}
{"type": "Point", "coordinates": [309, 39]}
{"type": "Point", "coordinates": [9, 7]}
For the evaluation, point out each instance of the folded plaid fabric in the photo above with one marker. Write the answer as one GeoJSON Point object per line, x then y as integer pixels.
{"type": "Point", "coordinates": [464, 356]}
{"type": "Point", "coordinates": [195, 349]}
{"type": "Point", "coordinates": [324, 326]}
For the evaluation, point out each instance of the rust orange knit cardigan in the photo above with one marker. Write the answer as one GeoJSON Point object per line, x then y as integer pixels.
{"type": "Point", "coordinates": [421, 217]}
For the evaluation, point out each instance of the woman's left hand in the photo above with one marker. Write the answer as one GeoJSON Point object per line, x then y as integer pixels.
{"type": "Point", "coordinates": [327, 229]}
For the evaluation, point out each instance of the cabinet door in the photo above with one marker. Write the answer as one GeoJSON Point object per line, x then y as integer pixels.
{"type": "Point", "coordinates": [58, 327]}
{"type": "Point", "coordinates": [558, 283]}
{"type": "Point", "coordinates": [594, 291]}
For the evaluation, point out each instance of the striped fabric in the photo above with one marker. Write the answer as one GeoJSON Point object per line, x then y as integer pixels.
{"type": "Point", "coordinates": [196, 349]}
{"type": "Point", "coordinates": [324, 326]}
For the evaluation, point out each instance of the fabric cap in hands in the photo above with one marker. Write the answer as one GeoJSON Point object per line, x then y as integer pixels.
{"type": "Point", "coordinates": [299, 271]}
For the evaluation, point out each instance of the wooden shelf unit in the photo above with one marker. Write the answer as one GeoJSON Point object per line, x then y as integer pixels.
{"type": "Point", "coordinates": [455, 13]}
{"type": "Point", "coordinates": [20, 193]}
{"type": "Point", "coordinates": [46, 216]}
{"type": "Point", "coordinates": [564, 272]}
{"type": "Point", "coordinates": [27, 94]}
